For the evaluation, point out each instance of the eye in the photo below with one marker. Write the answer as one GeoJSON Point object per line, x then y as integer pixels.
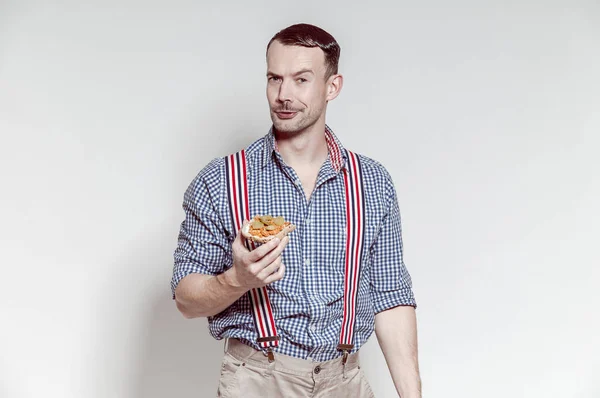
{"type": "Point", "coordinates": [302, 80]}
{"type": "Point", "coordinates": [273, 79]}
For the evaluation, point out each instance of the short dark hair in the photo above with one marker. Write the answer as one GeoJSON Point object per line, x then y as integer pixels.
{"type": "Point", "coordinates": [306, 35]}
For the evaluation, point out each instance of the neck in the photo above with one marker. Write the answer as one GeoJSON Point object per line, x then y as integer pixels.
{"type": "Point", "coordinates": [305, 148]}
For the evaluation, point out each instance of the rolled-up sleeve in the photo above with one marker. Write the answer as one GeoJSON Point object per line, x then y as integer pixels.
{"type": "Point", "coordinates": [202, 245]}
{"type": "Point", "coordinates": [391, 284]}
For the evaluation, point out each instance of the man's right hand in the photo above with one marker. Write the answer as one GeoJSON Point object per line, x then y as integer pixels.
{"type": "Point", "coordinates": [259, 267]}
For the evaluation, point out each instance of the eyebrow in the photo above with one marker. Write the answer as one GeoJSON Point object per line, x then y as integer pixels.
{"type": "Point", "coordinates": [300, 72]}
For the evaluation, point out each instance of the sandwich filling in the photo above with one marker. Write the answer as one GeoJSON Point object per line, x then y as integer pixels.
{"type": "Point", "coordinates": [265, 226]}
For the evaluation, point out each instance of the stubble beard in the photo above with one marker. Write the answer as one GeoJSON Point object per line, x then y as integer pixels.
{"type": "Point", "coordinates": [298, 124]}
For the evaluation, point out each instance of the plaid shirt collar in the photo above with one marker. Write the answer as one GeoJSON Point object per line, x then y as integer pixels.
{"type": "Point", "coordinates": [337, 155]}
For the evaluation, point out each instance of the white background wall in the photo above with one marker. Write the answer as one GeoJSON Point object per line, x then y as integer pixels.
{"type": "Point", "coordinates": [487, 117]}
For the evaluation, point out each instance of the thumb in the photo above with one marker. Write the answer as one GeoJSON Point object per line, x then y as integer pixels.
{"type": "Point", "coordinates": [240, 239]}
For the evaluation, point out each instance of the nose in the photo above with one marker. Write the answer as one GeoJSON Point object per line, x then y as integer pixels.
{"type": "Point", "coordinates": [285, 91]}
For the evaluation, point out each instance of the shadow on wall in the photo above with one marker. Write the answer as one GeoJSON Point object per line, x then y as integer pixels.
{"type": "Point", "coordinates": [179, 358]}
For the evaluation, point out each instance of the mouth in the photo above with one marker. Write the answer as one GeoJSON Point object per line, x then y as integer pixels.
{"type": "Point", "coordinates": [285, 114]}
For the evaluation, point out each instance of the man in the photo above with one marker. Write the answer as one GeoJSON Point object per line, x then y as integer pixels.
{"type": "Point", "coordinates": [301, 337]}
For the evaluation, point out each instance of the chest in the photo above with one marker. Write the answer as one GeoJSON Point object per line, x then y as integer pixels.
{"type": "Point", "coordinates": [308, 181]}
{"type": "Point", "coordinates": [318, 208]}
{"type": "Point", "coordinates": [316, 256]}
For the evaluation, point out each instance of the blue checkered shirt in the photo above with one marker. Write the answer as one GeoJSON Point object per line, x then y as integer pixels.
{"type": "Point", "coordinates": [308, 302]}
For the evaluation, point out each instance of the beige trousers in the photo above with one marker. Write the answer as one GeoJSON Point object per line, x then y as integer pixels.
{"type": "Point", "coordinates": [247, 373]}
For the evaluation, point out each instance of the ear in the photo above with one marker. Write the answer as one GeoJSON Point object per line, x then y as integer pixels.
{"type": "Point", "coordinates": [334, 86]}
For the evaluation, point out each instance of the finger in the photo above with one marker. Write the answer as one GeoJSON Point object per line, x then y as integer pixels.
{"type": "Point", "coordinates": [270, 268]}
{"type": "Point", "coordinates": [261, 251]}
{"type": "Point", "coordinates": [239, 232]}
{"type": "Point", "coordinates": [284, 242]}
{"type": "Point", "coordinates": [276, 276]}
{"type": "Point", "coordinates": [240, 241]}
{"type": "Point", "coordinates": [273, 254]}
{"type": "Point", "coordinates": [238, 247]}
{"type": "Point", "coordinates": [239, 235]}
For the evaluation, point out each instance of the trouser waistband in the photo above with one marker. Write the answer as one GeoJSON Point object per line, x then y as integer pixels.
{"type": "Point", "coordinates": [289, 364]}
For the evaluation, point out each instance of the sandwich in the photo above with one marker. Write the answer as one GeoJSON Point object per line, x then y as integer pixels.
{"type": "Point", "coordinates": [262, 229]}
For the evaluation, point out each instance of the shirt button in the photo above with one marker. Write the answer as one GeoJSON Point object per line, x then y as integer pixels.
{"type": "Point", "coordinates": [307, 221]}
{"type": "Point", "coordinates": [313, 327]}
{"type": "Point", "coordinates": [317, 369]}
{"type": "Point", "coordinates": [309, 358]}
{"type": "Point", "coordinates": [307, 262]}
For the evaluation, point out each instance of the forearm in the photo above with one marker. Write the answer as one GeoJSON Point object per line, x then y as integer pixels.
{"type": "Point", "coordinates": [199, 295]}
{"type": "Point", "coordinates": [396, 331]}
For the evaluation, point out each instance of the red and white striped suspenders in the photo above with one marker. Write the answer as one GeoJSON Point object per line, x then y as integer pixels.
{"type": "Point", "coordinates": [237, 190]}
{"type": "Point", "coordinates": [355, 237]}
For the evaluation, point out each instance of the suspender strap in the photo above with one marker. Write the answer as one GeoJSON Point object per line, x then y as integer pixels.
{"type": "Point", "coordinates": [355, 230]}
{"type": "Point", "coordinates": [237, 192]}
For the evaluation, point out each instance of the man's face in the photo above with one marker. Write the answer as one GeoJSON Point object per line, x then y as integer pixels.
{"type": "Point", "coordinates": [296, 86]}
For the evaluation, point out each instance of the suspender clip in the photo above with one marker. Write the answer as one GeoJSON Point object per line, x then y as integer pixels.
{"type": "Point", "coordinates": [270, 355]}
{"type": "Point", "coordinates": [266, 339]}
{"type": "Point", "coordinates": [345, 348]}
{"type": "Point", "coordinates": [345, 357]}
